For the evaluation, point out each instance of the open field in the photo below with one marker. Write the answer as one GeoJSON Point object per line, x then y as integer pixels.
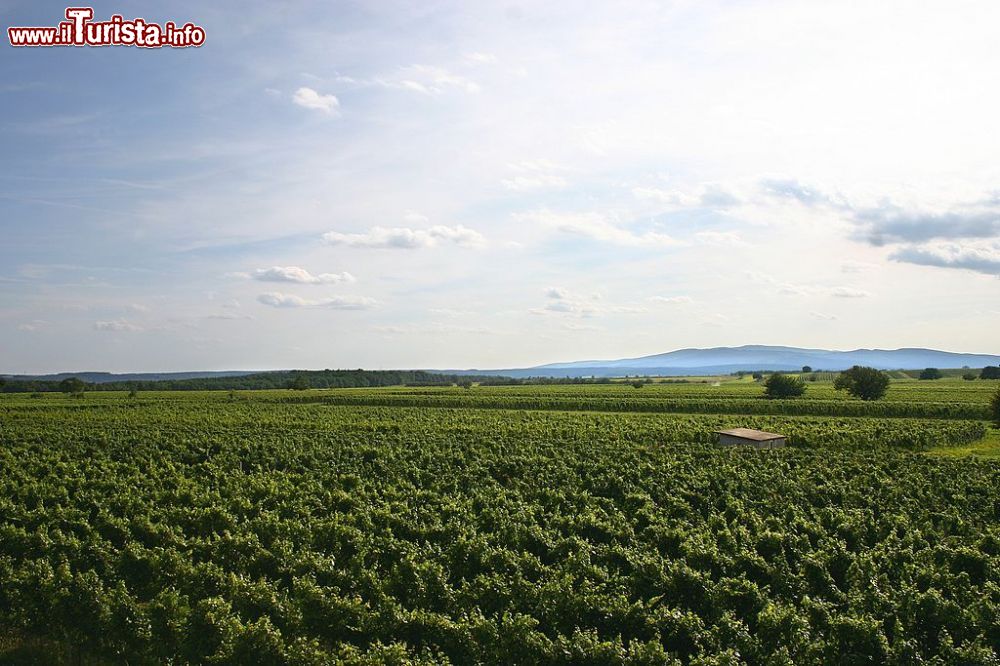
{"type": "Point", "coordinates": [590, 524]}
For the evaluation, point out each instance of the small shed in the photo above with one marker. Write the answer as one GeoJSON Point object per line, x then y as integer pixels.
{"type": "Point", "coordinates": [748, 437]}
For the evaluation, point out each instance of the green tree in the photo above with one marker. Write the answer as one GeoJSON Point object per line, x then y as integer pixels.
{"type": "Point", "coordinates": [807, 369]}
{"type": "Point", "coordinates": [995, 407]}
{"type": "Point", "coordinates": [299, 383]}
{"type": "Point", "coordinates": [930, 373]}
{"type": "Point", "coordinates": [72, 386]}
{"type": "Point", "coordinates": [863, 382]}
{"type": "Point", "coordinates": [783, 386]}
{"type": "Point", "coordinates": [638, 384]}
{"type": "Point", "coordinates": [969, 376]}
{"type": "Point", "coordinates": [990, 372]}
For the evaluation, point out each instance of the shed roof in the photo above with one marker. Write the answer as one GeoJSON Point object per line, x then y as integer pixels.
{"type": "Point", "coordinates": [747, 433]}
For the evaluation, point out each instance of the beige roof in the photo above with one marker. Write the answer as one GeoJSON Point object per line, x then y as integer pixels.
{"type": "Point", "coordinates": [747, 433]}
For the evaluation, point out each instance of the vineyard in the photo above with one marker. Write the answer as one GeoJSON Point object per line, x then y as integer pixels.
{"type": "Point", "coordinates": [526, 524]}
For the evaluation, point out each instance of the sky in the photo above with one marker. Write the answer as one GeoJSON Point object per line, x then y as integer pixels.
{"type": "Point", "coordinates": [494, 185]}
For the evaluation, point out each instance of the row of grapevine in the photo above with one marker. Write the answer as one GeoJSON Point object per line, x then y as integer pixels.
{"type": "Point", "coordinates": [259, 532]}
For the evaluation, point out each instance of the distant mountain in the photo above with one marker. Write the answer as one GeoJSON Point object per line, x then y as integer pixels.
{"type": "Point", "coordinates": [725, 360]}
{"type": "Point", "coordinates": [108, 377]}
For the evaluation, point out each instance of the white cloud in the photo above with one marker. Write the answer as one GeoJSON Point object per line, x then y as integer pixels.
{"type": "Point", "coordinates": [597, 227]}
{"type": "Point", "coordinates": [670, 300]}
{"type": "Point", "coordinates": [849, 292]}
{"type": "Point", "coordinates": [280, 300]}
{"type": "Point", "coordinates": [299, 275]}
{"type": "Point", "coordinates": [32, 326]}
{"type": "Point", "coordinates": [562, 301]}
{"type": "Point", "coordinates": [481, 58]}
{"type": "Point", "coordinates": [432, 329]}
{"type": "Point", "coordinates": [116, 325]}
{"type": "Point", "coordinates": [979, 256]}
{"type": "Point", "coordinates": [851, 266]}
{"type": "Point", "coordinates": [705, 195]}
{"type": "Point", "coordinates": [229, 316]}
{"type": "Point", "coordinates": [725, 238]}
{"type": "Point", "coordinates": [822, 316]}
{"type": "Point", "coordinates": [413, 217]}
{"type": "Point", "coordinates": [407, 238]}
{"type": "Point", "coordinates": [793, 289]}
{"type": "Point", "coordinates": [534, 175]}
{"type": "Point", "coordinates": [308, 98]}
{"type": "Point", "coordinates": [424, 79]}
{"type": "Point", "coordinates": [522, 183]}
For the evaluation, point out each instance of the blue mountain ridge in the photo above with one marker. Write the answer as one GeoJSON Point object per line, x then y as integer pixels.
{"type": "Point", "coordinates": [724, 360]}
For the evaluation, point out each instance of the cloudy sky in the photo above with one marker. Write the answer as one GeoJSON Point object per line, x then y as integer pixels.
{"type": "Point", "coordinates": [457, 184]}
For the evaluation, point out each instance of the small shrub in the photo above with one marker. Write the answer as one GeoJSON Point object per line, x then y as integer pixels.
{"type": "Point", "coordinates": [783, 386]}
{"type": "Point", "coordinates": [990, 372]}
{"type": "Point", "coordinates": [863, 382]}
{"type": "Point", "coordinates": [995, 408]}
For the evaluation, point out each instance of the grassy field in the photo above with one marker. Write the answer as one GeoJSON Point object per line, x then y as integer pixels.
{"type": "Point", "coordinates": [527, 524]}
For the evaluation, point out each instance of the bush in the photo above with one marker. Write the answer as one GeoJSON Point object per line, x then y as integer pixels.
{"type": "Point", "coordinates": [995, 408]}
{"type": "Point", "coordinates": [990, 372]}
{"type": "Point", "coordinates": [783, 386]}
{"type": "Point", "coordinates": [638, 384]}
{"type": "Point", "coordinates": [863, 382]}
{"type": "Point", "coordinates": [930, 373]}
{"type": "Point", "coordinates": [72, 386]}
{"type": "Point", "coordinates": [969, 376]}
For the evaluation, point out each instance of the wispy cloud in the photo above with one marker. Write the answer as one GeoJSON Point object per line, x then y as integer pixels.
{"type": "Point", "coordinates": [32, 326]}
{"type": "Point", "coordinates": [598, 227]}
{"type": "Point", "coordinates": [534, 175]}
{"type": "Point", "coordinates": [670, 300]}
{"type": "Point", "coordinates": [849, 292]}
{"type": "Point", "coordinates": [117, 326]}
{"type": "Point", "coordinates": [562, 301]}
{"type": "Point", "coordinates": [299, 275]}
{"type": "Point", "coordinates": [795, 289]}
{"type": "Point", "coordinates": [308, 98]}
{"type": "Point", "coordinates": [406, 238]}
{"type": "Point", "coordinates": [280, 300]}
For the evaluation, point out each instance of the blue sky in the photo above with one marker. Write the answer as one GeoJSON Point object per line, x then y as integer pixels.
{"type": "Point", "coordinates": [449, 184]}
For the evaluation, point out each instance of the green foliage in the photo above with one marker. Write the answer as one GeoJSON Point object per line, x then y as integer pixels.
{"type": "Point", "coordinates": [863, 382]}
{"type": "Point", "coordinates": [191, 528]}
{"type": "Point", "coordinates": [806, 369]}
{"type": "Point", "coordinates": [990, 372]}
{"type": "Point", "coordinates": [930, 373]}
{"type": "Point", "coordinates": [969, 376]}
{"type": "Point", "coordinates": [300, 382]}
{"type": "Point", "coordinates": [995, 408]}
{"type": "Point", "coordinates": [72, 386]}
{"type": "Point", "coordinates": [783, 386]}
